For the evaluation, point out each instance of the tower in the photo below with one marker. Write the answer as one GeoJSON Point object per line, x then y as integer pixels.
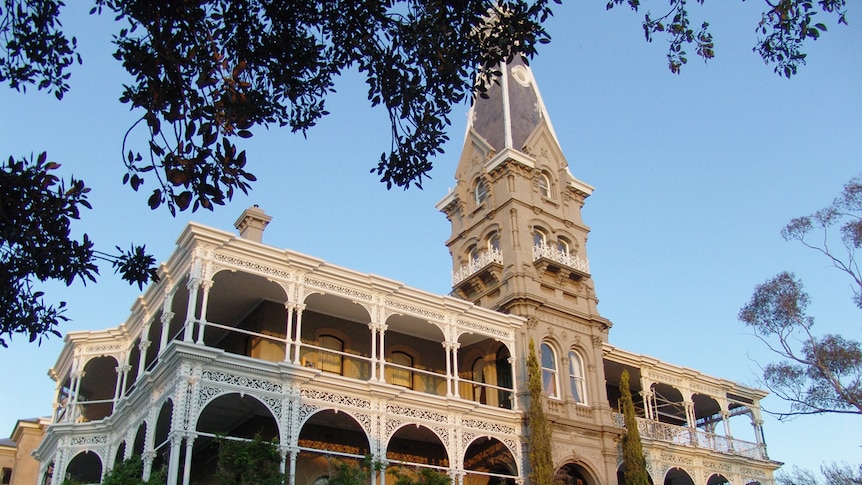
{"type": "Point", "coordinates": [518, 245]}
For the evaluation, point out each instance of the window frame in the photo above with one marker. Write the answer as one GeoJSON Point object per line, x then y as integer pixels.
{"type": "Point", "coordinates": [550, 375]}
{"type": "Point", "coordinates": [480, 191]}
{"type": "Point", "coordinates": [544, 185]}
{"type": "Point", "coordinates": [323, 358]}
{"type": "Point", "coordinates": [577, 377]}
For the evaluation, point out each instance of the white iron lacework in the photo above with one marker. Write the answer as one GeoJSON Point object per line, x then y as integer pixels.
{"type": "Point", "coordinates": [306, 410]}
{"type": "Point", "coordinates": [424, 312]}
{"type": "Point", "coordinates": [256, 267]}
{"type": "Point", "coordinates": [364, 420]}
{"type": "Point", "coordinates": [722, 467]}
{"type": "Point", "coordinates": [206, 394]}
{"type": "Point", "coordinates": [484, 329]}
{"type": "Point", "coordinates": [555, 254]}
{"type": "Point", "coordinates": [100, 349]}
{"type": "Point", "coordinates": [486, 426]}
{"type": "Point", "coordinates": [443, 433]}
{"type": "Point", "coordinates": [89, 440]}
{"type": "Point", "coordinates": [274, 406]}
{"type": "Point", "coordinates": [342, 290]}
{"type": "Point", "coordinates": [339, 399]}
{"type": "Point", "coordinates": [492, 255]}
{"type": "Point", "coordinates": [391, 426]}
{"type": "Point", "coordinates": [242, 381]}
{"type": "Point", "coordinates": [416, 413]}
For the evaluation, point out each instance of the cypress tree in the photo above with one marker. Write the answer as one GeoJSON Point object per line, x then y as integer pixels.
{"type": "Point", "coordinates": [540, 434]}
{"type": "Point", "coordinates": [633, 455]}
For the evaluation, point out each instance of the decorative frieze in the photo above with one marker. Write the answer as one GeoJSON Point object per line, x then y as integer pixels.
{"type": "Point", "coordinates": [241, 381]}
{"type": "Point", "coordinates": [415, 310]}
{"type": "Point", "coordinates": [235, 262]}
{"type": "Point", "coordinates": [338, 399]}
{"type": "Point", "coordinates": [338, 289]}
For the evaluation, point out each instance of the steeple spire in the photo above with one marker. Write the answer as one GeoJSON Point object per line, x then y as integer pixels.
{"type": "Point", "coordinates": [512, 111]}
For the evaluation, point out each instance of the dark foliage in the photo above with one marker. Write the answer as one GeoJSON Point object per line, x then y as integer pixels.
{"type": "Point", "coordinates": [255, 462]}
{"type": "Point", "coordinates": [130, 471]}
{"type": "Point", "coordinates": [541, 461]}
{"type": "Point", "coordinates": [36, 245]}
{"type": "Point", "coordinates": [781, 33]}
{"type": "Point", "coordinates": [635, 472]}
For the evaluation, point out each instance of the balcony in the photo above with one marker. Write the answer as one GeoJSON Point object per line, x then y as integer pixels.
{"type": "Point", "coordinates": [695, 438]}
{"type": "Point", "coordinates": [475, 265]}
{"type": "Point", "coordinates": [551, 258]}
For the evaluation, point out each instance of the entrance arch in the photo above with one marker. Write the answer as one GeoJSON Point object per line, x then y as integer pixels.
{"type": "Point", "coordinates": [416, 445]}
{"type": "Point", "coordinates": [717, 479]}
{"type": "Point", "coordinates": [574, 474]}
{"type": "Point", "coordinates": [85, 467]}
{"type": "Point", "coordinates": [678, 476]}
{"type": "Point", "coordinates": [489, 460]}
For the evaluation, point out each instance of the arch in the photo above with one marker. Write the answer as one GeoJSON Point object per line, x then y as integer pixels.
{"type": "Point", "coordinates": [424, 341]}
{"type": "Point", "coordinates": [494, 461]}
{"type": "Point", "coordinates": [668, 404]}
{"type": "Point", "coordinates": [134, 361]}
{"type": "Point", "coordinates": [717, 479]}
{"type": "Point", "coordinates": [621, 478]}
{"type": "Point", "coordinates": [574, 474]}
{"type": "Point", "coordinates": [163, 425]}
{"type": "Point", "coordinates": [235, 416]}
{"type": "Point", "coordinates": [179, 307]}
{"type": "Point", "coordinates": [154, 336]}
{"type": "Point", "coordinates": [98, 385]}
{"type": "Point", "coordinates": [401, 373]}
{"type": "Point", "coordinates": [540, 236]}
{"type": "Point", "coordinates": [254, 306]}
{"type": "Point", "coordinates": [548, 363]}
{"type": "Point", "coordinates": [417, 445]}
{"type": "Point", "coordinates": [85, 467]}
{"type": "Point", "coordinates": [577, 383]}
{"type": "Point", "coordinates": [140, 437]}
{"type": "Point", "coordinates": [493, 241]}
{"type": "Point", "coordinates": [334, 430]}
{"type": "Point", "coordinates": [677, 476]}
{"type": "Point", "coordinates": [120, 455]}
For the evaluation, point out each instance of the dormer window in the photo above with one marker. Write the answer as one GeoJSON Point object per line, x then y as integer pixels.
{"type": "Point", "coordinates": [480, 191]}
{"type": "Point", "coordinates": [544, 185]}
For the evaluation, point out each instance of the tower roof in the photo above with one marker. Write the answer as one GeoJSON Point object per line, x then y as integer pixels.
{"type": "Point", "coordinates": [512, 110]}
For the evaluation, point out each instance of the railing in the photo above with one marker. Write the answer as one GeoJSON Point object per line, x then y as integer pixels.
{"type": "Point", "coordinates": [493, 255]}
{"type": "Point", "coordinates": [684, 436]}
{"type": "Point", "coordinates": [559, 256]}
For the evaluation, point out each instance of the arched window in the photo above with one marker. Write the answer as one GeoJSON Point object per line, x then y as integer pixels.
{"type": "Point", "coordinates": [544, 185]}
{"type": "Point", "coordinates": [330, 360]}
{"type": "Point", "coordinates": [494, 242]}
{"type": "Point", "coordinates": [473, 251]}
{"type": "Point", "coordinates": [540, 236]}
{"type": "Point", "coordinates": [549, 371]}
{"type": "Point", "coordinates": [402, 376]}
{"type": "Point", "coordinates": [480, 190]}
{"type": "Point", "coordinates": [576, 378]}
{"type": "Point", "coordinates": [564, 245]}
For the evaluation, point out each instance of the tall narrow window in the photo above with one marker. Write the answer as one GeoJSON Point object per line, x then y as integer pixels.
{"type": "Point", "coordinates": [402, 375]}
{"type": "Point", "coordinates": [540, 237]}
{"type": "Point", "coordinates": [494, 242]}
{"type": "Point", "coordinates": [544, 185]}
{"type": "Point", "coordinates": [330, 359]}
{"type": "Point", "coordinates": [576, 378]}
{"type": "Point", "coordinates": [564, 245]}
{"type": "Point", "coordinates": [474, 253]}
{"type": "Point", "coordinates": [549, 371]}
{"type": "Point", "coordinates": [481, 191]}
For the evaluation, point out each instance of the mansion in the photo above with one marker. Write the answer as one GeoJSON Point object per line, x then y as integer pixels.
{"type": "Point", "coordinates": [240, 338]}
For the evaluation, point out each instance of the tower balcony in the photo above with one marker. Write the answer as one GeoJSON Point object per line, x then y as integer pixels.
{"type": "Point", "coordinates": [651, 430]}
{"type": "Point", "coordinates": [546, 257]}
{"type": "Point", "coordinates": [485, 260]}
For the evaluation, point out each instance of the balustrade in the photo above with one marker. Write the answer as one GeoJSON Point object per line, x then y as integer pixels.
{"type": "Point", "coordinates": [684, 436]}
{"type": "Point", "coordinates": [560, 256]}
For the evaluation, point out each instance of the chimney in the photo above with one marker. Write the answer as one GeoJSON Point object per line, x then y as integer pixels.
{"type": "Point", "coordinates": [251, 223]}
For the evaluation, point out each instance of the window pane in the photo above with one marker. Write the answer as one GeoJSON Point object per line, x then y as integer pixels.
{"type": "Point", "coordinates": [549, 371]}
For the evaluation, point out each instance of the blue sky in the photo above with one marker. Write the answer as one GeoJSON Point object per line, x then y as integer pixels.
{"type": "Point", "coordinates": [695, 175]}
